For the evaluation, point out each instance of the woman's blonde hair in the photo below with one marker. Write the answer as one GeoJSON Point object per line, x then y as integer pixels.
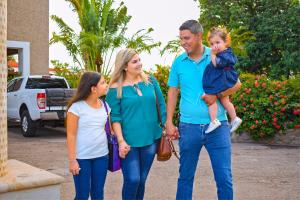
{"type": "Point", "coordinates": [119, 73]}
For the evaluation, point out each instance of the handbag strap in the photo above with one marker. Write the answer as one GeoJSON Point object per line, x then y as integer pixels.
{"type": "Point", "coordinates": [161, 123]}
{"type": "Point", "coordinates": [107, 124]}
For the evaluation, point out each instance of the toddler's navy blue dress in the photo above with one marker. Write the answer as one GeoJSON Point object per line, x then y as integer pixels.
{"type": "Point", "coordinates": [223, 76]}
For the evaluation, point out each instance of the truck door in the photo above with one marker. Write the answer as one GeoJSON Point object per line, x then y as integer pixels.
{"type": "Point", "coordinates": [13, 98]}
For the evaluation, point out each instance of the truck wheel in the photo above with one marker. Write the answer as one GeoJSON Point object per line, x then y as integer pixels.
{"type": "Point", "coordinates": [28, 126]}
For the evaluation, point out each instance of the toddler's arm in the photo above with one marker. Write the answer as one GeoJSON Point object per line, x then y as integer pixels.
{"type": "Point", "coordinates": [225, 59]}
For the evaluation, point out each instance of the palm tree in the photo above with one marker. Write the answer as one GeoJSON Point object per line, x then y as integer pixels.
{"type": "Point", "coordinates": [103, 29]}
{"type": "Point", "coordinates": [239, 37]}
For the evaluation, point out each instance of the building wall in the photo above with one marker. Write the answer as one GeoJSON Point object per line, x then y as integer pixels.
{"type": "Point", "coordinates": [28, 20]}
{"type": "Point", "coordinates": [3, 85]}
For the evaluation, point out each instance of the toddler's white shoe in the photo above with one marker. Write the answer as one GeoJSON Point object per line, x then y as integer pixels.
{"type": "Point", "coordinates": [235, 124]}
{"type": "Point", "coordinates": [213, 125]}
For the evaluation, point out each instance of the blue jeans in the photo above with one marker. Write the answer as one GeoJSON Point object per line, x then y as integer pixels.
{"type": "Point", "coordinates": [218, 146]}
{"type": "Point", "coordinates": [135, 169]}
{"type": "Point", "coordinates": [91, 178]}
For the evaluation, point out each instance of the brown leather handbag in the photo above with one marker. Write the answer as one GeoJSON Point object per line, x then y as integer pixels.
{"type": "Point", "coordinates": [164, 152]}
{"type": "Point", "coordinates": [165, 146]}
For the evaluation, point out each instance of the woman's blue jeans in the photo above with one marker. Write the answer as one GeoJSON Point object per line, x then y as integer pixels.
{"type": "Point", "coordinates": [91, 178]}
{"type": "Point", "coordinates": [218, 146]}
{"type": "Point", "coordinates": [135, 169]}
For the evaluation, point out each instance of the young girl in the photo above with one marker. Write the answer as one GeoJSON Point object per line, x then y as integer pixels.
{"type": "Point", "coordinates": [220, 75]}
{"type": "Point", "coordinates": [86, 137]}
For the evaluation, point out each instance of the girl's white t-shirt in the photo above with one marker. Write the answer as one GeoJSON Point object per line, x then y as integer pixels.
{"type": "Point", "coordinates": [91, 139]}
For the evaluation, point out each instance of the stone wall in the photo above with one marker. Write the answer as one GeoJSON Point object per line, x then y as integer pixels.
{"type": "Point", "coordinates": [3, 82]}
{"type": "Point", "coordinates": [290, 138]}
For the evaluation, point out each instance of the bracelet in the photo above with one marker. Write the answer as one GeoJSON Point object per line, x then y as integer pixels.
{"type": "Point", "coordinates": [120, 141]}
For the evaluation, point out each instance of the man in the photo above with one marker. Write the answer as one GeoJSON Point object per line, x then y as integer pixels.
{"type": "Point", "coordinates": [186, 74]}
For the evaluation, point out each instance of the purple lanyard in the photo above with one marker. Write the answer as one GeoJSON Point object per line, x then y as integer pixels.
{"type": "Point", "coordinates": [107, 126]}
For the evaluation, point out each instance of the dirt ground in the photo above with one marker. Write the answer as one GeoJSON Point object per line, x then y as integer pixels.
{"type": "Point", "coordinates": [259, 172]}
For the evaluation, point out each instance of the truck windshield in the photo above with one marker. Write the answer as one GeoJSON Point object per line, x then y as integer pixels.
{"type": "Point", "coordinates": [44, 83]}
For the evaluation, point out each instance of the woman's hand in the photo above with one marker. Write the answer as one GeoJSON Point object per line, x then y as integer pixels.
{"type": "Point", "coordinates": [74, 167]}
{"type": "Point", "coordinates": [124, 148]}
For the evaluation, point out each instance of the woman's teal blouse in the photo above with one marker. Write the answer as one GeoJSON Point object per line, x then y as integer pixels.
{"type": "Point", "coordinates": [138, 114]}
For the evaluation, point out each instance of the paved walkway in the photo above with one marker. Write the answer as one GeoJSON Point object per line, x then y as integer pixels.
{"type": "Point", "coordinates": [259, 172]}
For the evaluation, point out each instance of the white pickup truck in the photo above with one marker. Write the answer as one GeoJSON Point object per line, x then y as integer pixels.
{"type": "Point", "coordinates": [36, 101]}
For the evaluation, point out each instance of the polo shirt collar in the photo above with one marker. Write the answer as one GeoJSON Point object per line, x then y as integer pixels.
{"type": "Point", "coordinates": [206, 53]}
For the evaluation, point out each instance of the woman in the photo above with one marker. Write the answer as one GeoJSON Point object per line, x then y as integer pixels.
{"type": "Point", "coordinates": [132, 98]}
{"type": "Point", "coordinates": [86, 137]}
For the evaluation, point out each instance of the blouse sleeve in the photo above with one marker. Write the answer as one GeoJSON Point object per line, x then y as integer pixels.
{"type": "Point", "coordinates": [225, 60]}
{"type": "Point", "coordinates": [74, 109]}
{"type": "Point", "coordinates": [161, 99]}
{"type": "Point", "coordinates": [114, 104]}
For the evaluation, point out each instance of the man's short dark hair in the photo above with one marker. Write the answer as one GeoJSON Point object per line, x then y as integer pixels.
{"type": "Point", "coordinates": [192, 25]}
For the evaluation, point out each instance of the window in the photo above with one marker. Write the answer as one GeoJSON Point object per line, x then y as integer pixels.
{"type": "Point", "coordinates": [17, 84]}
{"type": "Point", "coordinates": [10, 85]}
{"type": "Point", "coordinates": [43, 83]}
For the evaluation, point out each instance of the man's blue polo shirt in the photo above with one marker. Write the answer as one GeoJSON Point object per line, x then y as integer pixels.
{"type": "Point", "coordinates": [187, 74]}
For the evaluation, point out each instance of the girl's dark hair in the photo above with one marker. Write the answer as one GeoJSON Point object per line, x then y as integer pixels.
{"type": "Point", "coordinates": [87, 81]}
{"type": "Point", "coordinates": [221, 32]}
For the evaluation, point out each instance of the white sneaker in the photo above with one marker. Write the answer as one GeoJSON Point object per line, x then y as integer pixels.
{"type": "Point", "coordinates": [235, 124]}
{"type": "Point", "coordinates": [213, 125]}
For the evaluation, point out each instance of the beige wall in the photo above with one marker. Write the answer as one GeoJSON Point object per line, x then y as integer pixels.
{"type": "Point", "coordinates": [28, 20]}
{"type": "Point", "coordinates": [3, 99]}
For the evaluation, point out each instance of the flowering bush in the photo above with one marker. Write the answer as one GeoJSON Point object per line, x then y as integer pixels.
{"type": "Point", "coordinates": [162, 75]}
{"type": "Point", "coordinates": [72, 74]}
{"type": "Point", "coordinates": [267, 106]}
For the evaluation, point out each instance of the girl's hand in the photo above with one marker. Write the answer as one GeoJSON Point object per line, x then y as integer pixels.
{"type": "Point", "coordinates": [214, 50]}
{"type": "Point", "coordinates": [124, 148]}
{"type": "Point", "coordinates": [213, 59]}
{"type": "Point", "coordinates": [74, 167]}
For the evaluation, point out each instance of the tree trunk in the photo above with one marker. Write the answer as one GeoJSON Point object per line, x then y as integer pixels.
{"type": "Point", "coordinates": [3, 87]}
{"type": "Point", "coordinates": [99, 63]}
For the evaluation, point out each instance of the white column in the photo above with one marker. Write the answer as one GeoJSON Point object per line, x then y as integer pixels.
{"type": "Point", "coordinates": [24, 55]}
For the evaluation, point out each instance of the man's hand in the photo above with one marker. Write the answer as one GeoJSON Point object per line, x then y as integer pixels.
{"type": "Point", "coordinates": [172, 131]}
{"type": "Point", "coordinates": [209, 99]}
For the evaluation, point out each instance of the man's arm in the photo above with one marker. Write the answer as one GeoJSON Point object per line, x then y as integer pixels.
{"type": "Point", "coordinates": [210, 98]}
{"type": "Point", "coordinates": [231, 90]}
{"type": "Point", "coordinates": [171, 105]}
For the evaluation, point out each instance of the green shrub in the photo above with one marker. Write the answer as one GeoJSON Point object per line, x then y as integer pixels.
{"type": "Point", "coordinates": [72, 74]}
{"type": "Point", "coordinates": [11, 75]}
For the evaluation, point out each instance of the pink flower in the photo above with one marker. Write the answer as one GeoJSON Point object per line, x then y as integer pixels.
{"type": "Point", "coordinates": [296, 112]}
